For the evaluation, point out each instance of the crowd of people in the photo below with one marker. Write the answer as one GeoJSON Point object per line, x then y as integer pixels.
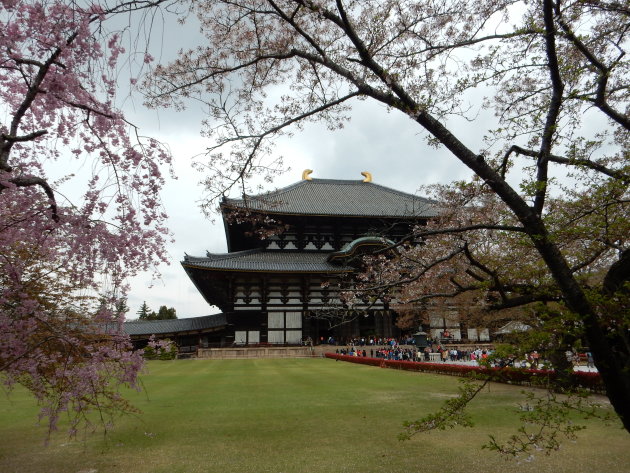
{"type": "Point", "coordinates": [394, 351]}
{"type": "Point", "coordinates": [406, 350]}
{"type": "Point", "coordinates": [369, 341]}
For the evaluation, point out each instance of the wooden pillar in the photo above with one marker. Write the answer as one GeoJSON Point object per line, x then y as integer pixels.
{"type": "Point", "coordinates": [264, 293]}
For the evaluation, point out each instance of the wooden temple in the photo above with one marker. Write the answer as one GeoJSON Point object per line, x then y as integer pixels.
{"type": "Point", "coordinates": [292, 250]}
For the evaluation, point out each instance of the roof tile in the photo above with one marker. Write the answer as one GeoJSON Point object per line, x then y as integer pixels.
{"type": "Point", "coordinates": [268, 261]}
{"type": "Point", "coordinates": [155, 327]}
{"type": "Point", "coordinates": [339, 197]}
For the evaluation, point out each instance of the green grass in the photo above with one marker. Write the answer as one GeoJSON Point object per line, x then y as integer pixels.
{"type": "Point", "coordinates": [296, 415]}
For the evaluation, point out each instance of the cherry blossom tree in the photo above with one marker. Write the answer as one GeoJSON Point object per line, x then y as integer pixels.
{"type": "Point", "coordinates": [62, 337]}
{"type": "Point", "coordinates": [551, 181]}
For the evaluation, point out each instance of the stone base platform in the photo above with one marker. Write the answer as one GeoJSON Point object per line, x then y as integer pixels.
{"type": "Point", "coordinates": [255, 352]}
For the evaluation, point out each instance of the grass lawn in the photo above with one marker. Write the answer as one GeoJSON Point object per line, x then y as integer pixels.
{"type": "Point", "coordinates": [292, 415]}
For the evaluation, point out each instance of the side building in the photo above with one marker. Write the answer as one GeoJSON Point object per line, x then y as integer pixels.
{"type": "Point", "coordinates": [291, 251]}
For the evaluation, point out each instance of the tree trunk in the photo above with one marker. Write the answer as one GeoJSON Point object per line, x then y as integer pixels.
{"type": "Point", "coordinates": [611, 353]}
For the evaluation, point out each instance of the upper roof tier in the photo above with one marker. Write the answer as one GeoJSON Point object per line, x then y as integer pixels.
{"type": "Point", "coordinates": [335, 197]}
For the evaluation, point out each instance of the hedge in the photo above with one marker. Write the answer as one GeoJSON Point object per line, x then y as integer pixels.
{"type": "Point", "coordinates": [580, 379]}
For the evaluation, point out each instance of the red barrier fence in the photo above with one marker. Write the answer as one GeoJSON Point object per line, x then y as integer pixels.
{"type": "Point", "coordinates": [582, 379]}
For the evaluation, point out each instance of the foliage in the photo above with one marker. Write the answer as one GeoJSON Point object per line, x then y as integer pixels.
{"type": "Point", "coordinates": [164, 313]}
{"type": "Point", "coordinates": [580, 380]}
{"type": "Point", "coordinates": [544, 220]}
{"type": "Point", "coordinates": [160, 349]}
{"type": "Point", "coordinates": [144, 312]}
{"type": "Point", "coordinates": [453, 413]}
{"type": "Point", "coordinates": [58, 253]}
{"type": "Point", "coordinates": [546, 419]}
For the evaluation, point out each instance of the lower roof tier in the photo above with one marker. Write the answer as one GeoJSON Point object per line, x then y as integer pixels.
{"type": "Point", "coordinates": [217, 277]}
{"type": "Point", "coordinates": [160, 327]}
{"type": "Point", "coordinates": [258, 260]}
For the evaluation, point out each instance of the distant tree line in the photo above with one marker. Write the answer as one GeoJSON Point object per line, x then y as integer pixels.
{"type": "Point", "coordinates": [163, 313]}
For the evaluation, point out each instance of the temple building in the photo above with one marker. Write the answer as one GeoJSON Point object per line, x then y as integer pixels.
{"type": "Point", "coordinates": [291, 252]}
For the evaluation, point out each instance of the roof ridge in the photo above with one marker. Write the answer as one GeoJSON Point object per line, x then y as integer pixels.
{"type": "Point", "coordinates": [143, 322]}
{"type": "Point", "coordinates": [399, 192]}
{"type": "Point", "coordinates": [283, 190]}
{"type": "Point", "coordinates": [220, 256]}
{"type": "Point", "coordinates": [231, 255]}
{"type": "Point", "coordinates": [280, 190]}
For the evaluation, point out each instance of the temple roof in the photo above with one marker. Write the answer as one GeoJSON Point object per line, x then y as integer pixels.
{"type": "Point", "coordinates": [155, 327]}
{"type": "Point", "coordinates": [339, 198]}
{"type": "Point", "coordinates": [267, 261]}
{"type": "Point", "coordinates": [355, 246]}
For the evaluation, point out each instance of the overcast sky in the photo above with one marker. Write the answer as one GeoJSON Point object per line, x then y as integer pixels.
{"type": "Point", "coordinates": [387, 144]}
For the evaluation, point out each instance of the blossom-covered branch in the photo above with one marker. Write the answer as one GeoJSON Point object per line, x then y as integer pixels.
{"type": "Point", "coordinates": [64, 265]}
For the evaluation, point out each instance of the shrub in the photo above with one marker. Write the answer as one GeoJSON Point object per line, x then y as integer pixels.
{"type": "Point", "coordinates": [584, 380]}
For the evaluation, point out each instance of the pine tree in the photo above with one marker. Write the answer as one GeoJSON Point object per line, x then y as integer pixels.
{"type": "Point", "coordinates": [144, 313]}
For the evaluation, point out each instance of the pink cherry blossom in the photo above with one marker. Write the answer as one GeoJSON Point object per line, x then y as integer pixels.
{"type": "Point", "coordinates": [63, 265]}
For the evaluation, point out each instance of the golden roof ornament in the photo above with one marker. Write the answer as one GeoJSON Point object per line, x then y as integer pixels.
{"type": "Point", "coordinates": [367, 175]}
{"type": "Point", "coordinates": [306, 175]}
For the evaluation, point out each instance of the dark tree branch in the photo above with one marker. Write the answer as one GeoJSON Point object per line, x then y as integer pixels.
{"type": "Point", "coordinates": [416, 276]}
{"type": "Point", "coordinates": [553, 111]}
{"type": "Point", "coordinates": [519, 301]}
{"type": "Point", "coordinates": [474, 275]}
{"type": "Point", "coordinates": [493, 275]}
{"type": "Point", "coordinates": [604, 73]}
{"type": "Point", "coordinates": [258, 139]}
{"type": "Point", "coordinates": [594, 257]}
{"type": "Point", "coordinates": [34, 88]}
{"type": "Point", "coordinates": [470, 228]}
{"type": "Point", "coordinates": [618, 274]}
{"type": "Point", "coordinates": [28, 181]}
{"type": "Point", "coordinates": [616, 7]}
{"type": "Point", "coordinates": [616, 174]}
{"type": "Point", "coordinates": [27, 137]}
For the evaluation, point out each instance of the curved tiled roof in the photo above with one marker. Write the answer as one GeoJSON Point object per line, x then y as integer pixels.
{"type": "Point", "coordinates": [155, 327]}
{"type": "Point", "coordinates": [340, 198]}
{"type": "Point", "coordinates": [366, 240]}
{"type": "Point", "coordinates": [350, 248]}
{"type": "Point", "coordinates": [266, 261]}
